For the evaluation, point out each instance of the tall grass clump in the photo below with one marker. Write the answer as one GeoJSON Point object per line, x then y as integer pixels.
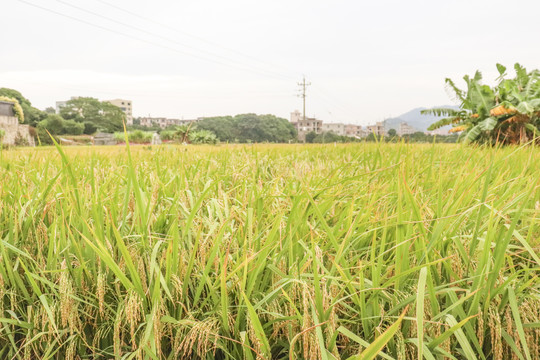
{"type": "Point", "coordinates": [393, 251]}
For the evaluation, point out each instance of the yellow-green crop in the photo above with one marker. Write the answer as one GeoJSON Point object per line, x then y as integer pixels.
{"type": "Point", "coordinates": [270, 252]}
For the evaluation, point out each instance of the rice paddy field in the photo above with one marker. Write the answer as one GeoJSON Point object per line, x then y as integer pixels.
{"type": "Point", "coordinates": [360, 251]}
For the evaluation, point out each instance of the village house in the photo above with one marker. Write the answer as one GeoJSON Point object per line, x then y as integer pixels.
{"type": "Point", "coordinates": [405, 129]}
{"type": "Point", "coordinates": [355, 131]}
{"type": "Point", "coordinates": [305, 126]}
{"type": "Point", "coordinates": [14, 133]}
{"type": "Point", "coordinates": [336, 128]}
{"type": "Point", "coordinates": [126, 107]}
{"type": "Point", "coordinates": [377, 129]}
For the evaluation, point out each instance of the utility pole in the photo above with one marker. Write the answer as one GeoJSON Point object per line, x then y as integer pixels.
{"type": "Point", "coordinates": [302, 94]}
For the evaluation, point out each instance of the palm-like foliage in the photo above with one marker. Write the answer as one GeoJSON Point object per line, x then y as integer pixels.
{"type": "Point", "coordinates": [508, 113]}
{"type": "Point", "coordinates": [182, 133]}
{"type": "Point", "coordinates": [202, 137]}
{"type": "Point", "coordinates": [191, 135]}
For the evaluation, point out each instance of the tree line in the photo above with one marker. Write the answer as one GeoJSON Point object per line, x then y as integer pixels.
{"type": "Point", "coordinates": [248, 128]}
{"type": "Point", "coordinates": [391, 136]}
{"type": "Point", "coordinates": [83, 115]}
{"type": "Point", "coordinates": [86, 115]}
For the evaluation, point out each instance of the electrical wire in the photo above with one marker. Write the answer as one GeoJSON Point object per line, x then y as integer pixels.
{"type": "Point", "coordinates": [144, 40]}
{"type": "Point", "coordinates": [190, 35]}
{"type": "Point", "coordinates": [335, 104]}
{"type": "Point", "coordinates": [163, 46]}
{"type": "Point", "coordinates": [118, 22]}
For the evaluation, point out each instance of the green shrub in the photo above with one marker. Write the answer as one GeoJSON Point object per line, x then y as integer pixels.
{"type": "Point", "coordinates": [54, 124]}
{"type": "Point", "coordinates": [73, 128]}
{"type": "Point", "coordinates": [140, 137]}
{"type": "Point", "coordinates": [89, 128]}
{"type": "Point", "coordinates": [135, 137]}
{"type": "Point", "coordinates": [167, 135]}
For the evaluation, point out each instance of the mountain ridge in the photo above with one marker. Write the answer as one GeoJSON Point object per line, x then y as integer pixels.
{"type": "Point", "coordinates": [415, 119]}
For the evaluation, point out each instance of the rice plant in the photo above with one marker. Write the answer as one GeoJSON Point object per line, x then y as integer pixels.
{"type": "Point", "coordinates": [394, 251]}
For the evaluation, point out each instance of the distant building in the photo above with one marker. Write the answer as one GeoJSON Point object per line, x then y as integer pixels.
{"type": "Point", "coordinates": [150, 122]}
{"type": "Point", "coordinates": [165, 122]}
{"type": "Point", "coordinates": [126, 107]}
{"type": "Point", "coordinates": [377, 129]}
{"type": "Point", "coordinates": [306, 126]}
{"type": "Point", "coordinates": [61, 104]}
{"type": "Point", "coordinates": [336, 128]}
{"type": "Point", "coordinates": [356, 131]}
{"type": "Point", "coordinates": [14, 133]}
{"type": "Point", "coordinates": [439, 132]}
{"type": "Point", "coordinates": [405, 129]}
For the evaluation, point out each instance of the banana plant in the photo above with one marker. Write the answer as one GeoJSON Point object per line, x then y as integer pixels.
{"type": "Point", "coordinates": [202, 137]}
{"type": "Point", "coordinates": [182, 133]}
{"type": "Point", "coordinates": [507, 113]}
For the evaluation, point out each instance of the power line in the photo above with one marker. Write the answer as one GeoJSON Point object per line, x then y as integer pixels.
{"type": "Point", "coordinates": [123, 93]}
{"type": "Point", "coordinates": [190, 35]}
{"type": "Point", "coordinates": [140, 39]}
{"type": "Point", "coordinates": [335, 103]}
{"type": "Point", "coordinates": [116, 21]}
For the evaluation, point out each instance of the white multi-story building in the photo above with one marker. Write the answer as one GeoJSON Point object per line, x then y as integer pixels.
{"type": "Point", "coordinates": [126, 107]}
{"type": "Point", "coordinates": [336, 128]}
{"type": "Point", "coordinates": [405, 129]}
{"type": "Point", "coordinates": [356, 131]}
{"type": "Point", "coordinates": [377, 129]}
{"type": "Point", "coordinates": [305, 126]}
{"type": "Point", "coordinates": [61, 104]}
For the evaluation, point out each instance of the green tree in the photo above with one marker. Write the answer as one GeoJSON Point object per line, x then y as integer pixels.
{"type": "Point", "coordinates": [73, 128]}
{"type": "Point", "coordinates": [54, 124]}
{"type": "Point", "coordinates": [371, 137]}
{"type": "Point", "coordinates": [507, 113]}
{"type": "Point", "coordinates": [182, 132]}
{"type": "Point", "coordinates": [310, 136]}
{"type": "Point", "coordinates": [31, 115]}
{"type": "Point", "coordinates": [103, 115]}
{"type": "Point", "coordinates": [222, 126]}
{"type": "Point", "coordinates": [392, 132]}
{"type": "Point", "coordinates": [327, 137]}
{"type": "Point", "coordinates": [245, 128]}
{"type": "Point", "coordinates": [89, 128]}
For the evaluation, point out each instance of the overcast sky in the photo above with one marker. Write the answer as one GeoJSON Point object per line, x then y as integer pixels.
{"type": "Point", "coordinates": [366, 60]}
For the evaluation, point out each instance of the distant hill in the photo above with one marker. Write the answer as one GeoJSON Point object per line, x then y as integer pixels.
{"type": "Point", "coordinates": [414, 119]}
